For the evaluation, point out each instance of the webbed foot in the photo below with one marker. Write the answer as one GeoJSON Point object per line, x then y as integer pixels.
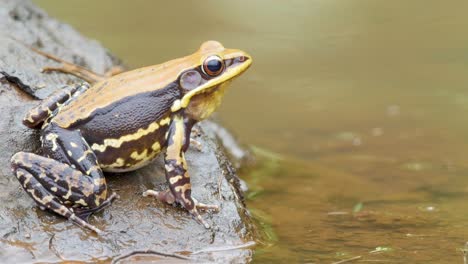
{"type": "Point", "coordinates": [167, 197]}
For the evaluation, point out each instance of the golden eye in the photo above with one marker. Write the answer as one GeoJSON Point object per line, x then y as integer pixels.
{"type": "Point", "coordinates": [213, 66]}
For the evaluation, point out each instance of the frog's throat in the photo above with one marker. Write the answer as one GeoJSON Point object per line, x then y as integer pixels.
{"type": "Point", "coordinates": [229, 74]}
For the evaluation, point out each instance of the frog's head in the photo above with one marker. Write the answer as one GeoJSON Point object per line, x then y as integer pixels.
{"type": "Point", "coordinates": [204, 84]}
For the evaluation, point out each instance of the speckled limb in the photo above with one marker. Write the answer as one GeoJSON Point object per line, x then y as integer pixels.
{"type": "Point", "coordinates": [39, 114]}
{"type": "Point", "coordinates": [69, 181]}
{"type": "Point", "coordinates": [46, 200]}
{"type": "Point", "coordinates": [176, 172]}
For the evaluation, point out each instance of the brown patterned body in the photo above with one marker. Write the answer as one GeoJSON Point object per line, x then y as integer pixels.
{"type": "Point", "coordinates": [122, 123]}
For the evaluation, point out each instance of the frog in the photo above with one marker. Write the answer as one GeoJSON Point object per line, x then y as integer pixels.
{"type": "Point", "coordinates": [119, 122]}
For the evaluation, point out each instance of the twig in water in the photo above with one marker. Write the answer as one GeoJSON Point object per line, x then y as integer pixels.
{"type": "Point", "coordinates": [215, 249]}
{"type": "Point", "coordinates": [148, 252]}
{"type": "Point", "coordinates": [347, 260]}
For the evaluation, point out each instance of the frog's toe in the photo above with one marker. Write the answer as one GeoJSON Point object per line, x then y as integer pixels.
{"type": "Point", "coordinates": [165, 196]}
{"type": "Point", "coordinates": [83, 224]}
{"type": "Point", "coordinates": [205, 206]}
{"type": "Point", "coordinates": [194, 212]}
{"type": "Point", "coordinates": [195, 143]}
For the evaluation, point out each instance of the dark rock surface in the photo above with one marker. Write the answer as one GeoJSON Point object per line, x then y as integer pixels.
{"type": "Point", "coordinates": [133, 222]}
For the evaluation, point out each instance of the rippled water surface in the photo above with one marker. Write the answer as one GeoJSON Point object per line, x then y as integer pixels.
{"type": "Point", "coordinates": [357, 110]}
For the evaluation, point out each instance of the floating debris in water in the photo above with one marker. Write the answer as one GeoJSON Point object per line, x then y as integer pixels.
{"type": "Point", "coordinates": [393, 110]}
{"type": "Point", "coordinates": [380, 250]}
{"type": "Point", "coordinates": [377, 131]}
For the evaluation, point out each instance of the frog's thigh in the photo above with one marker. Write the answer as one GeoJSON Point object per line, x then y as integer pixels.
{"type": "Point", "coordinates": [43, 179]}
{"type": "Point", "coordinates": [68, 148]}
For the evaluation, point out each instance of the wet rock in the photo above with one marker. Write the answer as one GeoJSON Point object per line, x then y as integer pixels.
{"type": "Point", "coordinates": [28, 234]}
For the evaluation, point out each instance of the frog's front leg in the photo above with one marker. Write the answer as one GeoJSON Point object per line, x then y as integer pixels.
{"type": "Point", "coordinates": [68, 181]}
{"type": "Point", "coordinates": [39, 114]}
{"type": "Point", "coordinates": [177, 174]}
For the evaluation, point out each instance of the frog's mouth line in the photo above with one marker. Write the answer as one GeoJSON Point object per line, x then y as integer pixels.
{"type": "Point", "coordinates": [229, 74]}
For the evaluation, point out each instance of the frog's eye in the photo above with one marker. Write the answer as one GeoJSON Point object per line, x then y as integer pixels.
{"type": "Point", "coordinates": [213, 66]}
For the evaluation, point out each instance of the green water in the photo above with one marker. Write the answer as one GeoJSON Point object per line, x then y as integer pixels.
{"type": "Point", "coordinates": [357, 109]}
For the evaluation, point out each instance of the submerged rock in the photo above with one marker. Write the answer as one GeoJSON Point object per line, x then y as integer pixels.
{"type": "Point", "coordinates": [133, 222]}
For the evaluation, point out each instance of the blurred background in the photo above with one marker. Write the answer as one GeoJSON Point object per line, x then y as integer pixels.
{"type": "Point", "coordinates": [356, 111]}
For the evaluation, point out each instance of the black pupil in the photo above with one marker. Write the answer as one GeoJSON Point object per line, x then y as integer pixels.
{"type": "Point", "coordinates": [214, 65]}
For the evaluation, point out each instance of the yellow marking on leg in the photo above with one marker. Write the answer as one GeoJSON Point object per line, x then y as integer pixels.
{"type": "Point", "coordinates": [99, 181]}
{"type": "Point", "coordinates": [53, 137]}
{"type": "Point", "coordinates": [28, 178]}
{"type": "Point", "coordinates": [88, 151]}
{"type": "Point", "coordinates": [117, 142]}
{"type": "Point", "coordinates": [63, 210]}
{"type": "Point", "coordinates": [54, 189]}
{"type": "Point", "coordinates": [70, 154]}
{"type": "Point", "coordinates": [184, 163]}
{"type": "Point", "coordinates": [82, 202]}
{"type": "Point", "coordinates": [93, 168]}
{"type": "Point", "coordinates": [174, 149]}
{"type": "Point", "coordinates": [44, 201]}
{"type": "Point", "coordinates": [73, 144]}
{"type": "Point", "coordinates": [66, 196]}
{"type": "Point", "coordinates": [183, 187]}
{"type": "Point", "coordinates": [169, 167]}
{"type": "Point", "coordinates": [100, 197]}
{"type": "Point", "coordinates": [175, 179]}
{"type": "Point", "coordinates": [29, 118]}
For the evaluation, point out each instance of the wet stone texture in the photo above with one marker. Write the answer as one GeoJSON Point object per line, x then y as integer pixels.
{"type": "Point", "coordinates": [133, 222]}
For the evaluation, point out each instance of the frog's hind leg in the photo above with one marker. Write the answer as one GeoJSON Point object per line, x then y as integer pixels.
{"type": "Point", "coordinates": [69, 181]}
{"type": "Point", "coordinates": [39, 114]}
{"type": "Point", "coordinates": [46, 199]}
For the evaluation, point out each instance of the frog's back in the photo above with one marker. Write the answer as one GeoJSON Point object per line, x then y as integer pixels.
{"type": "Point", "coordinates": [156, 81]}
